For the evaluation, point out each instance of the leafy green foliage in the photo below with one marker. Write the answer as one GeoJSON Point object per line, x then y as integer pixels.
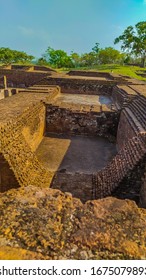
{"type": "Point", "coordinates": [96, 48]}
{"type": "Point", "coordinates": [57, 58]}
{"type": "Point", "coordinates": [89, 59]}
{"type": "Point", "coordinates": [42, 61]}
{"type": "Point", "coordinates": [110, 55]}
{"type": "Point", "coordinates": [8, 56]}
{"type": "Point", "coordinates": [60, 59]}
{"type": "Point", "coordinates": [134, 40]}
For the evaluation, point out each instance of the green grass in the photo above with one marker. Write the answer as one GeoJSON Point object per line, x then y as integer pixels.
{"type": "Point", "coordinates": [125, 70]}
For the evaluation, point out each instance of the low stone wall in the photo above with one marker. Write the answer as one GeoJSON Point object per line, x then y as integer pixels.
{"type": "Point", "coordinates": [63, 120]}
{"type": "Point", "coordinates": [17, 78]}
{"type": "Point", "coordinates": [90, 74]}
{"type": "Point", "coordinates": [80, 86]}
{"type": "Point", "coordinates": [42, 68]}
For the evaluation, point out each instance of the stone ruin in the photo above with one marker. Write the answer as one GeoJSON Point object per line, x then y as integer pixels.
{"type": "Point", "coordinates": [82, 133]}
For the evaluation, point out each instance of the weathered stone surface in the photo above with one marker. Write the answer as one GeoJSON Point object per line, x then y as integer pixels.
{"type": "Point", "coordinates": [57, 226]}
{"type": "Point", "coordinates": [142, 202]}
{"type": "Point", "coordinates": [9, 253]}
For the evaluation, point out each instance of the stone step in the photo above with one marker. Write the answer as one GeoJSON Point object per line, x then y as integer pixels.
{"type": "Point", "coordinates": [137, 108]}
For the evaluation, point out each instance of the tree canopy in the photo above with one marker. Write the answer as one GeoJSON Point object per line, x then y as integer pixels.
{"type": "Point", "coordinates": [109, 56]}
{"type": "Point", "coordinates": [8, 56]}
{"type": "Point", "coordinates": [57, 58]}
{"type": "Point", "coordinates": [134, 40]}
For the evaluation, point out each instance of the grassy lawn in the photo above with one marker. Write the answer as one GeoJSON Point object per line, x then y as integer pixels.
{"type": "Point", "coordinates": [125, 70]}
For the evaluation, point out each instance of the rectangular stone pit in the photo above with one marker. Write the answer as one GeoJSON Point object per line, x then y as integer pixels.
{"type": "Point", "coordinates": [73, 159]}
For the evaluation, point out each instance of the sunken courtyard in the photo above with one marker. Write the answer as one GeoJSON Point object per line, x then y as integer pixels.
{"type": "Point", "coordinates": [72, 165]}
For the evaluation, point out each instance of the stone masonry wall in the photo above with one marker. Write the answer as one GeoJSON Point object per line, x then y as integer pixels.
{"type": "Point", "coordinates": [118, 96]}
{"type": "Point", "coordinates": [7, 177]}
{"type": "Point", "coordinates": [130, 187]}
{"type": "Point", "coordinates": [33, 127]}
{"type": "Point", "coordinates": [63, 120]}
{"type": "Point", "coordinates": [126, 129]}
{"type": "Point", "coordinates": [130, 160]}
{"type": "Point", "coordinates": [80, 86]}
{"type": "Point", "coordinates": [16, 146]}
{"type": "Point", "coordinates": [108, 179]}
{"type": "Point", "coordinates": [132, 120]}
{"type": "Point", "coordinates": [17, 78]}
{"type": "Point", "coordinates": [89, 74]}
{"type": "Point", "coordinates": [18, 154]}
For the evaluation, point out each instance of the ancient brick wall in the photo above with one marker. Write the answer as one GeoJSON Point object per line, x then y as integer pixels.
{"type": "Point", "coordinates": [132, 120]}
{"type": "Point", "coordinates": [20, 136]}
{"type": "Point", "coordinates": [20, 157]}
{"type": "Point", "coordinates": [63, 120]}
{"type": "Point", "coordinates": [108, 179]}
{"type": "Point", "coordinates": [142, 202]}
{"type": "Point", "coordinates": [118, 96]}
{"type": "Point", "coordinates": [80, 86]}
{"type": "Point", "coordinates": [17, 78]}
{"type": "Point", "coordinates": [89, 74]}
{"type": "Point", "coordinates": [7, 177]}
{"type": "Point", "coordinates": [42, 68]}
{"type": "Point", "coordinates": [122, 95]}
{"type": "Point", "coordinates": [131, 140]}
{"type": "Point", "coordinates": [131, 186]}
{"type": "Point", "coordinates": [33, 126]}
{"type": "Point", "coordinates": [126, 129]}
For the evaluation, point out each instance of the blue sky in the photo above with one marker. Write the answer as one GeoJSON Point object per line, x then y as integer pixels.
{"type": "Point", "coordinates": [71, 25]}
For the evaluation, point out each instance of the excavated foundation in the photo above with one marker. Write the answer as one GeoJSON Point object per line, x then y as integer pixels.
{"type": "Point", "coordinates": [83, 135]}
{"type": "Point", "coordinates": [73, 159]}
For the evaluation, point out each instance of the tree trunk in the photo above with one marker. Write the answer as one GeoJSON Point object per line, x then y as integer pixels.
{"type": "Point", "coordinates": [143, 59]}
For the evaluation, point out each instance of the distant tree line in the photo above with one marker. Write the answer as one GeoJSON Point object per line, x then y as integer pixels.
{"type": "Point", "coordinates": [8, 56]}
{"type": "Point", "coordinates": [133, 46]}
{"type": "Point", "coordinates": [59, 58]}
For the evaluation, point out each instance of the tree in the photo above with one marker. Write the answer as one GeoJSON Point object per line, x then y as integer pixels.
{"type": "Point", "coordinates": [42, 61]}
{"type": "Point", "coordinates": [96, 48]}
{"type": "Point", "coordinates": [110, 55]}
{"type": "Point", "coordinates": [57, 58]}
{"type": "Point", "coordinates": [134, 40]}
{"type": "Point", "coordinates": [88, 59]}
{"type": "Point", "coordinates": [76, 59]}
{"type": "Point", "coordinates": [8, 56]}
{"type": "Point", "coordinates": [91, 58]}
